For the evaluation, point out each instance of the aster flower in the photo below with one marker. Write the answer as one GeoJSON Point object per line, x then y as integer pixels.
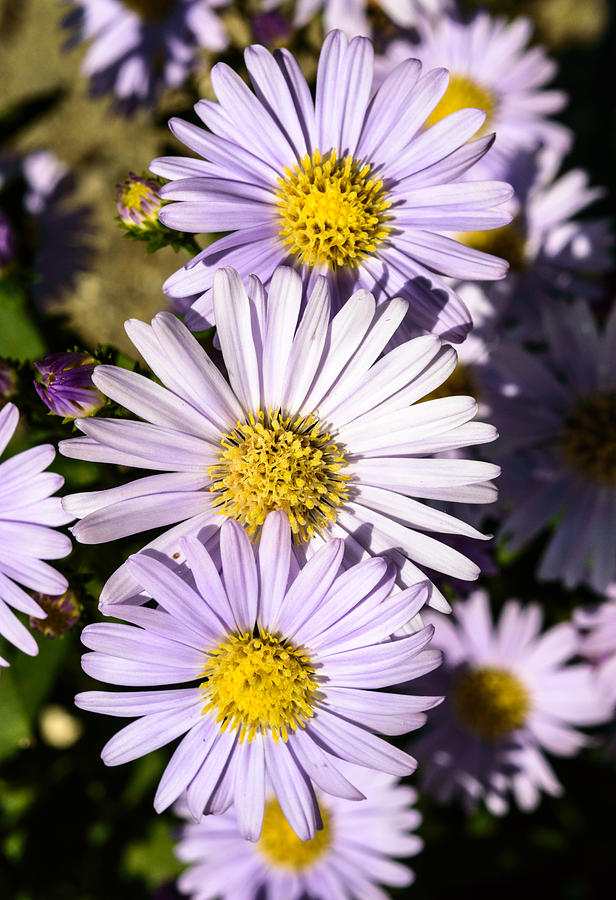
{"type": "Point", "coordinates": [138, 203]}
{"type": "Point", "coordinates": [286, 661]}
{"type": "Point", "coordinates": [27, 509]}
{"type": "Point", "coordinates": [8, 243]}
{"type": "Point", "coordinates": [140, 46]}
{"type": "Point", "coordinates": [556, 414]}
{"type": "Point", "coordinates": [345, 186]}
{"type": "Point", "coordinates": [61, 614]}
{"type": "Point", "coordinates": [65, 384]}
{"type": "Point", "coordinates": [351, 17]}
{"type": "Point", "coordinates": [347, 858]}
{"type": "Point", "coordinates": [493, 69]}
{"type": "Point", "coordinates": [510, 696]}
{"type": "Point", "coordinates": [313, 423]}
{"type": "Point", "coordinates": [598, 643]}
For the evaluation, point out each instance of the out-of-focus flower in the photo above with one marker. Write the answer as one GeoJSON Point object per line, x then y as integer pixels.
{"type": "Point", "coordinates": [598, 643]}
{"type": "Point", "coordinates": [287, 659]}
{"type": "Point", "coordinates": [138, 203]}
{"type": "Point", "coordinates": [271, 28]}
{"type": "Point", "coordinates": [64, 384]}
{"type": "Point", "coordinates": [347, 858]}
{"type": "Point", "coordinates": [556, 415]}
{"type": "Point", "coordinates": [61, 614]}
{"type": "Point", "coordinates": [315, 422]}
{"type": "Point", "coordinates": [8, 243]}
{"type": "Point", "coordinates": [492, 69]}
{"type": "Point", "coordinates": [8, 381]}
{"type": "Point", "coordinates": [345, 186]}
{"type": "Point", "coordinates": [140, 46]}
{"type": "Point", "coordinates": [27, 509]}
{"type": "Point", "coordinates": [58, 727]}
{"type": "Point", "coordinates": [351, 16]}
{"type": "Point", "coordinates": [510, 696]}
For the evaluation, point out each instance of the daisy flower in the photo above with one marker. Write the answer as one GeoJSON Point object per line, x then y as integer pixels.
{"type": "Point", "coordinates": [510, 696]}
{"type": "Point", "coordinates": [556, 413]}
{"type": "Point", "coordinates": [27, 509]}
{"type": "Point", "coordinates": [350, 16]}
{"type": "Point", "coordinates": [598, 644]}
{"type": "Point", "coordinates": [347, 186]}
{"type": "Point", "coordinates": [283, 663]}
{"type": "Point", "coordinates": [140, 46]}
{"type": "Point", "coordinates": [315, 422]}
{"type": "Point", "coordinates": [493, 69]}
{"type": "Point", "coordinates": [349, 857]}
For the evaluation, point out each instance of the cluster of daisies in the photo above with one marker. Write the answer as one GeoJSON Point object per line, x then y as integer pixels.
{"type": "Point", "coordinates": [314, 476]}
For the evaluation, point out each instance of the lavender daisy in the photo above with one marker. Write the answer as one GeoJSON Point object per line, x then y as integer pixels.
{"type": "Point", "coordinates": [315, 422]}
{"type": "Point", "coordinates": [347, 858]}
{"type": "Point", "coordinates": [347, 186]}
{"type": "Point", "coordinates": [556, 413]}
{"type": "Point", "coordinates": [351, 16]}
{"type": "Point", "coordinates": [510, 696]}
{"type": "Point", "coordinates": [598, 644]}
{"type": "Point", "coordinates": [493, 69]}
{"type": "Point", "coordinates": [140, 46]}
{"type": "Point", "coordinates": [286, 661]}
{"type": "Point", "coordinates": [27, 510]}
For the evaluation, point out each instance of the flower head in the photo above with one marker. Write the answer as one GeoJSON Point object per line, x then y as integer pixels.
{"type": "Point", "coordinates": [138, 202]}
{"type": "Point", "coordinates": [351, 854]}
{"type": "Point", "coordinates": [510, 695]}
{"type": "Point", "coordinates": [65, 385]}
{"type": "Point", "coordinates": [61, 614]}
{"type": "Point", "coordinates": [27, 510]}
{"type": "Point", "coordinates": [315, 422]}
{"type": "Point", "coordinates": [283, 662]}
{"type": "Point", "coordinates": [353, 189]}
{"type": "Point", "coordinates": [598, 642]}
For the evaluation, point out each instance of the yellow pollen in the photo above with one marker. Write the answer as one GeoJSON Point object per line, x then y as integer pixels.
{"type": "Point", "coordinates": [282, 848]}
{"type": "Point", "coordinates": [508, 243]}
{"type": "Point", "coordinates": [151, 10]}
{"type": "Point", "coordinates": [332, 211]}
{"type": "Point", "coordinates": [283, 462]}
{"type": "Point", "coordinates": [460, 383]}
{"type": "Point", "coordinates": [133, 194]}
{"type": "Point", "coordinates": [589, 438]}
{"type": "Point", "coordinates": [462, 93]}
{"type": "Point", "coordinates": [490, 702]}
{"type": "Point", "coordinates": [259, 683]}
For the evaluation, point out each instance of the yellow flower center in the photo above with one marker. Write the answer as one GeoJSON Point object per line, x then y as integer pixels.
{"type": "Point", "coordinates": [508, 243]}
{"type": "Point", "coordinates": [134, 193]}
{"type": "Point", "coordinates": [259, 684]}
{"type": "Point", "coordinates": [283, 462]}
{"type": "Point", "coordinates": [462, 93]}
{"type": "Point", "coordinates": [332, 211]}
{"type": "Point", "coordinates": [490, 702]}
{"type": "Point", "coordinates": [459, 383]}
{"type": "Point", "coordinates": [151, 10]}
{"type": "Point", "coordinates": [589, 438]}
{"type": "Point", "coordinates": [282, 848]}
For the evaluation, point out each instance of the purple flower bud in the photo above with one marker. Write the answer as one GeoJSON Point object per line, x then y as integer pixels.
{"type": "Point", "coordinates": [8, 243]}
{"type": "Point", "coordinates": [62, 613]}
{"type": "Point", "coordinates": [138, 202]}
{"type": "Point", "coordinates": [271, 28]}
{"type": "Point", "coordinates": [65, 384]}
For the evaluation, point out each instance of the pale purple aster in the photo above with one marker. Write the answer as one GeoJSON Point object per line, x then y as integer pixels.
{"type": "Point", "coordinates": [8, 243]}
{"type": "Point", "coordinates": [511, 695]}
{"type": "Point", "coordinates": [282, 663]}
{"type": "Point", "coordinates": [138, 47]}
{"type": "Point", "coordinates": [351, 16]}
{"type": "Point", "coordinates": [64, 384]}
{"type": "Point", "coordinates": [28, 514]}
{"type": "Point", "coordinates": [349, 185]}
{"type": "Point", "coordinates": [350, 857]}
{"type": "Point", "coordinates": [315, 380]}
{"type": "Point", "coordinates": [598, 640]}
{"type": "Point", "coordinates": [493, 68]}
{"type": "Point", "coordinates": [556, 414]}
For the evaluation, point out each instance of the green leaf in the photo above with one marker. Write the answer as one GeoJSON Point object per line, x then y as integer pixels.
{"type": "Point", "coordinates": [19, 335]}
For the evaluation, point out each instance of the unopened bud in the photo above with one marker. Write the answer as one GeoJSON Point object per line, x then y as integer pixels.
{"type": "Point", "coordinates": [65, 385]}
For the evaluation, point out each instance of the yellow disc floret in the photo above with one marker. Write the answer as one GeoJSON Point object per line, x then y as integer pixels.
{"type": "Point", "coordinates": [259, 683]}
{"type": "Point", "coordinates": [460, 383]}
{"type": "Point", "coordinates": [332, 211]}
{"type": "Point", "coordinates": [490, 702]}
{"type": "Point", "coordinates": [463, 92]}
{"type": "Point", "coordinates": [275, 461]}
{"type": "Point", "coordinates": [282, 848]}
{"type": "Point", "coordinates": [589, 438]}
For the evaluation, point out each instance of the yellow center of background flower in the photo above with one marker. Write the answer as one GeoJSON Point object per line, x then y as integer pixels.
{"type": "Point", "coordinates": [589, 438]}
{"type": "Point", "coordinates": [508, 243]}
{"type": "Point", "coordinates": [280, 462]}
{"type": "Point", "coordinates": [490, 702]}
{"type": "Point", "coordinates": [134, 193]}
{"type": "Point", "coordinates": [463, 93]}
{"type": "Point", "coordinates": [282, 848]}
{"type": "Point", "coordinates": [459, 383]}
{"type": "Point", "coordinates": [260, 684]}
{"type": "Point", "coordinates": [151, 10]}
{"type": "Point", "coordinates": [332, 211]}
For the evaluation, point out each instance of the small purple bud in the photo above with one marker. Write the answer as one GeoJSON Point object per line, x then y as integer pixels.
{"type": "Point", "coordinates": [8, 243]}
{"type": "Point", "coordinates": [138, 203]}
{"type": "Point", "coordinates": [65, 385]}
{"type": "Point", "coordinates": [63, 613]}
{"type": "Point", "coordinates": [272, 29]}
